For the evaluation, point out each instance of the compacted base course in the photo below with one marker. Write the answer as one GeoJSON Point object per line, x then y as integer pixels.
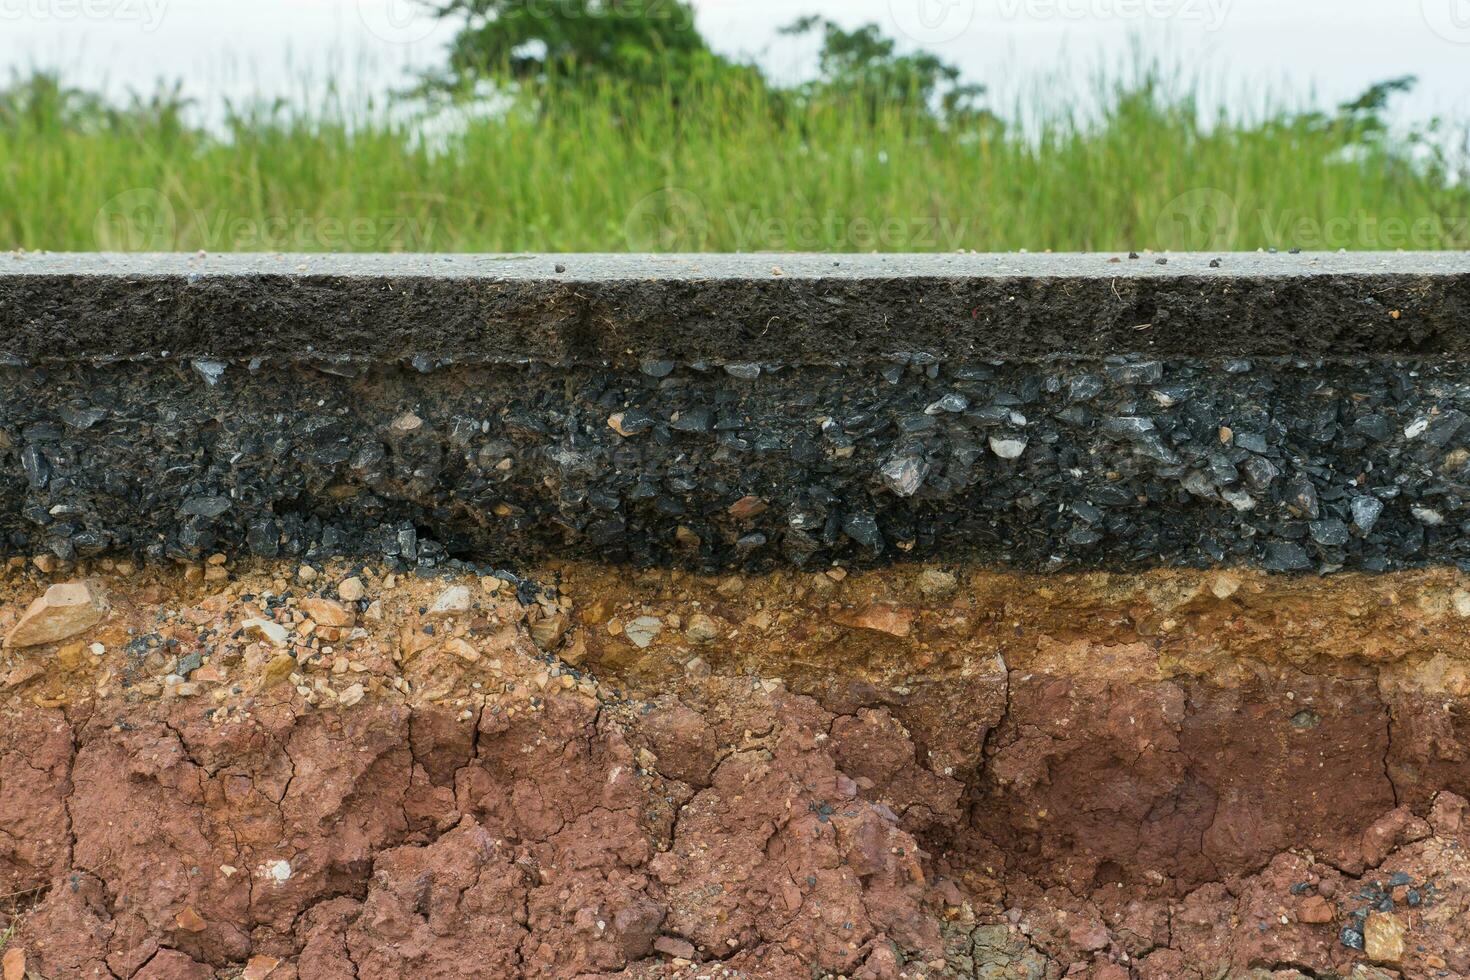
{"type": "Point", "coordinates": [333, 770]}
{"type": "Point", "coordinates": [1120, 463]}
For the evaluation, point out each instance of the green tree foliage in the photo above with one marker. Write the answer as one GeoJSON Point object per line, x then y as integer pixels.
{"type": "Point", "coordinates": [865, 64]}
{"type": "Point", "coordinates": [647, 42]}
{"type": "Point", "coordinates": [655, 44]}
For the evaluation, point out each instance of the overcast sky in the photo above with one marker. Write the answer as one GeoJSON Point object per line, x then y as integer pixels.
{"type": "Point", "coordinates": [235, 48]}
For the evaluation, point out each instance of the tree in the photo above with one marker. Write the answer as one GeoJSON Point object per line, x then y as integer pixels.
{"type": "Point", "coordinates": [638, 41]}
{"type": "Point", "coordinates": [866, 64]}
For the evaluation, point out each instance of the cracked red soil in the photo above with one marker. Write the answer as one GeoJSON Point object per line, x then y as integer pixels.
{"type": "Point", "coordinates": [1164, 775]}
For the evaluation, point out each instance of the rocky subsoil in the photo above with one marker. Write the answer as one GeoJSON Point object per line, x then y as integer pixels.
{"type": "Point", "coordinates": [331, 770]}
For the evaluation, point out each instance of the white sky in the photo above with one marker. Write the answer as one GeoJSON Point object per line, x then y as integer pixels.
{"type": "Point", "coordinates": [239, 48]}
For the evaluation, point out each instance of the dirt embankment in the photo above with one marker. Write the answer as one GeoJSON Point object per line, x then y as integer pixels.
{"type": "Point", "coordinates": [252, 772]}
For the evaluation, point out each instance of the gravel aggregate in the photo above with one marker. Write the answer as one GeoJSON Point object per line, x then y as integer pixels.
{"type": "Point", "coordinates": [1293, 466]}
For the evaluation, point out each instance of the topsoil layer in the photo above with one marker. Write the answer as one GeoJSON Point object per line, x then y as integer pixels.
{"type": "Point", "coordinates": [787, 309]}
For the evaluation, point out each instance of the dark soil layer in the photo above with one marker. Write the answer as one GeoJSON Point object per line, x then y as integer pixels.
{"type": "Point", "coordinates": [1111, 463]}
{"type": "Point", "coordinates": [1178, 775]}
{"type": "Point", "coordinates": [786, 309]}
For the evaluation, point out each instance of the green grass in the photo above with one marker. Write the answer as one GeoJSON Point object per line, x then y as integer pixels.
{"type": "Point", "coordinates": [722, 171]}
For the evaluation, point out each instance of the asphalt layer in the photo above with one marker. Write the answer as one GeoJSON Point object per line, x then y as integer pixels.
{"type": "Point", "coordinates": [776, 309]}
{"type": "Point", "coordinates": [1120, 462]}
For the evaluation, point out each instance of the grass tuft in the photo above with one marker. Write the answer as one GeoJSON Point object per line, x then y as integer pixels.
{"type": "Point", "coordinates": [721, 167]}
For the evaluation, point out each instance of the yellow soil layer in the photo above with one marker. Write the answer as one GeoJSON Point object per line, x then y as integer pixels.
{"type": "Point", "coordinates": [1412, 629]}
{"type": "Point", "coordinates": [895, 628]}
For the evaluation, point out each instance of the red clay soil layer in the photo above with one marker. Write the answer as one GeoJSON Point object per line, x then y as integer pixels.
{"type": "Point", "coordinates": [255, 772]}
